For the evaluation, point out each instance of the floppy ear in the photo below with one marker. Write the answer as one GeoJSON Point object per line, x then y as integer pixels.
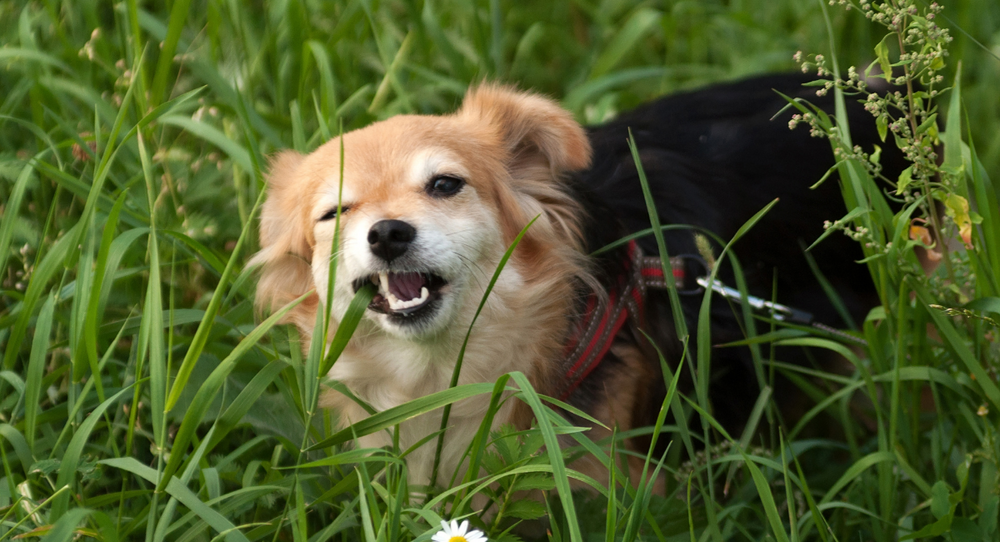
{"type": "Point", "coordinates": [284, 235]}
{"type": "Point", "coordinates": [542, 142]}
{"type": "Point", "coordinates": [535, 130]}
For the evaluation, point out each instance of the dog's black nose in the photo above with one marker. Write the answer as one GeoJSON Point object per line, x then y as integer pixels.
{"type": "Point", "coordinates": [389, 239]}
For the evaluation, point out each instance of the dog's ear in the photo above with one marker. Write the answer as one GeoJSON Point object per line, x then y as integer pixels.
{"type": "Point", "coordinates": [531, 127]}
{"type": "Point", "coordinates": [284, 235]}
{"type": "Point", "coordinates": [541, 141]}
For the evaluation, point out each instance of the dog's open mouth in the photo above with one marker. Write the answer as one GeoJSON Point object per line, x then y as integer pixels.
{"type": "Point", "coordinates": [403, 295]}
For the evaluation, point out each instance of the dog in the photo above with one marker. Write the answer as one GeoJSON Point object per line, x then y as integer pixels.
{"type": "Point", "coordinates": [430, 205]}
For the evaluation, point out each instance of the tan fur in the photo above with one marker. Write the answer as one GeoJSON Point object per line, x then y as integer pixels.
{"type": "Point", "coordinates": [513, 149]}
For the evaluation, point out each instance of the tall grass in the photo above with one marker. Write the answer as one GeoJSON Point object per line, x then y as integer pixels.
{"type": "Point", "coordinates": [141, 397]}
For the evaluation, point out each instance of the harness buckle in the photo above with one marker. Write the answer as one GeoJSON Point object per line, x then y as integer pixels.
{"type": "Point", "coordinates": [694, 267]}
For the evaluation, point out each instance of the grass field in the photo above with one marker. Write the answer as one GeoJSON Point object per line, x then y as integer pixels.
{"type": "Point", "coordinates": [141, 396]}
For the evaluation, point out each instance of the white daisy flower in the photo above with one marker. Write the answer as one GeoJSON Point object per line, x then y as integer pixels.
{"type": "Point", "coordinates": [458, 533]}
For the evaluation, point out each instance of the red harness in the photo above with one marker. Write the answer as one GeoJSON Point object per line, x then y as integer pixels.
{"type": "Point", "coordinates": [602, 318]}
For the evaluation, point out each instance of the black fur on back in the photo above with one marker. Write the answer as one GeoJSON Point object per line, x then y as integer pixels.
{"type": "Point", "coordinates": [713, 158]}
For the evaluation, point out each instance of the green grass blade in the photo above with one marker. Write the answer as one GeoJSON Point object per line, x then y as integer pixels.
{"type": "Point", "coordinates": [952, 138]}
{"type": "Point", "coordinates": [70, 459]}
{"type": "Point", "coordinates": [100, 271]}
{"type": "Point", "coordinates": [65, 529]}
{"type": "Point", "coordinates": [457, 370]}
{"type": "Point", "coordinates": [212, 135]}
{"type": "Point", "coordinates": [554, 452]}
{"type": "Point", "coordinates": [766, 498]}
{"type": "Point", "coordinates": [244, 401]}
{"type": "Point", "coordinates": [36, 368]}
{"type": "Point", "coordinates": [207, 391]}
{"type": "Point", "coordinates": [178, 16]}
{"type": "Point", "coordinates": [44, 271]}
{"type": "Point", "coordinates": [654, 220]}
{"type": "Point", "coordinates": [152, 311]}
{"type": "Point", "coordinates": [958, 346]}
{"type": "Point", "coordinates": [854, 471]}
{"type": "Point", "coordinates": [398, 414]}
{"type": "Point", "coordinates": [201, 335]}
{"type": "Point", "coordinates": [355, 311]}
{"type": "Point", "coordinates": [104, 167]}
{"type": "Point", "coordinates": [19, 443]}
{"type": "Point", "coordinates": [749, 430]}
{"type": "Point", "coordinates": [15, 54]}
{"type": "Point", "coordinates": [186, 497]}
{"type": "Point", "coordinates": [635, 29]}
{"type": "Point", "coordinates": [12, 207]}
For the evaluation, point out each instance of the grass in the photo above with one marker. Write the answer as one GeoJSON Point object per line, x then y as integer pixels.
{"type": "Point", "coordinates": [141, 398]}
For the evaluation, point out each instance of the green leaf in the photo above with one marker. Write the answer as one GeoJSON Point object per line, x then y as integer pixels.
{"type": "Point", "coordinates": [850, 216]}
{"type": "Point", "coordinates": [939, 499]}
{"type": "Point", "coordinates": [882, 56]}
{"type": "Point", "coordinates": [965, 530]}
{"type": "Point", "coordinates": [178, 16]}
{"type": "Point", "coordinates": [18, 54]}
{"type": "Point", "coordinates": [905, 178]}
{"type": "Point", "coordinates": [525, 509]}
{"type": "Point", "coordinates": [928, 124]}
{"type": "Point", "coordinates": [882, 123]}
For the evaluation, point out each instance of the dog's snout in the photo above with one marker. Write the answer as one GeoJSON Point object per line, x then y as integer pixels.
{"type": "Point", "coordinates": [389, 239]}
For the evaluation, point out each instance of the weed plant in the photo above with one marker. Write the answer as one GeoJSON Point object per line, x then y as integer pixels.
{"type": "Point", "coordinates": [141, 397]}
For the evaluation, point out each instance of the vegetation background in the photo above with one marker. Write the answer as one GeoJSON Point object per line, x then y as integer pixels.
{"type": "Point", "coordinates": [142, 398]}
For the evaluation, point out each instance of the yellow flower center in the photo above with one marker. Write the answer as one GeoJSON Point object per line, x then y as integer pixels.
{"type": "Point", "coordinates": [457, 539]}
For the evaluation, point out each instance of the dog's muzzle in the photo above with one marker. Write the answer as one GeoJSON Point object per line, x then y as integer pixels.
{"type": "Point", "coordinates": [405, 295]}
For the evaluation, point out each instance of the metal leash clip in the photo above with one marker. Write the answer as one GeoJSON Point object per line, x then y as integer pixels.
{"type": "Point", "coordinates": [779, 312]}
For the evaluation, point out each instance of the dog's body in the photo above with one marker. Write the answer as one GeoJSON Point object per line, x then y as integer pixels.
{"type": "Point", "coordinates": [430, 204]}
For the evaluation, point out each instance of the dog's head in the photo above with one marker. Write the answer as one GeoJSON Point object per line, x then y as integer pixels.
{"type": "Point", "coordinates": [428, 206]}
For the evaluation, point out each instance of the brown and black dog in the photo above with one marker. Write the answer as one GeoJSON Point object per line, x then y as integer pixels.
{"type": "Point", "coordinates": [430, 204]}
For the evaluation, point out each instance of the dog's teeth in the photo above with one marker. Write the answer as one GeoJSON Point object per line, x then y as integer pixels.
{"type": "Point", "coordinates": [397, 305]}
{"type": "Point", "coordinates": [383, 278]}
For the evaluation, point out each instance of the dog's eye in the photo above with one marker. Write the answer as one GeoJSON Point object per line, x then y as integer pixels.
{"type": "Point", "coordinates": [443, 186]}
{"type": "Point", "coordinates": [332, 213]}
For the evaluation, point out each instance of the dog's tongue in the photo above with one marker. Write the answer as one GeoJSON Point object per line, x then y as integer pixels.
{"type": "Point", "coordinates": [406, 286]}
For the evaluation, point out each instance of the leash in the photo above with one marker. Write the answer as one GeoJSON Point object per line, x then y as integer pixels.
{"type": "Point", "coordinates": [603, 318]}
{"type": "Point", "coordinates": [779, 312]}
